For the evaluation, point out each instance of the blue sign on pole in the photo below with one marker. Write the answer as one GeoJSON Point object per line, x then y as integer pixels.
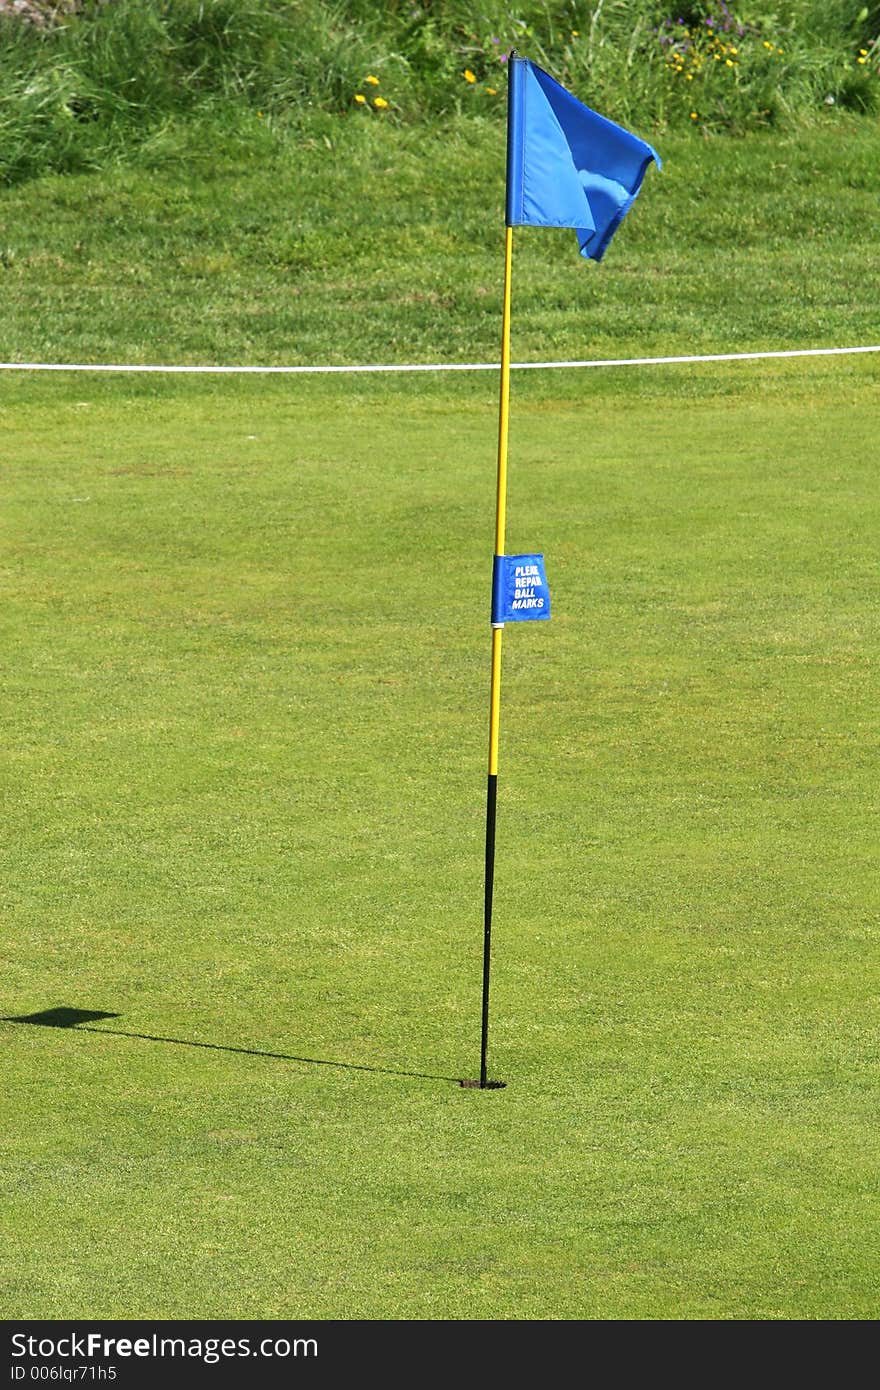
{"type": "Point", "coordinates": [519, 589]}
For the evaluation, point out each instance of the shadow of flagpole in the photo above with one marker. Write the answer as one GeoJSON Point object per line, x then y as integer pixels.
{"type": "Point", "coordinates": [82, 1019]}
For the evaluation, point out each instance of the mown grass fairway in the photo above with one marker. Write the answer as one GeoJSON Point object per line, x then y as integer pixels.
{"type": "Point", "coordinates": [384, 245]}
{"type": "Point", "coordinates": [244, 703]}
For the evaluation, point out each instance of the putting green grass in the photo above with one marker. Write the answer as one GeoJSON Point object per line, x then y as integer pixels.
{"type": "Point", "coordinates": [244, 707]}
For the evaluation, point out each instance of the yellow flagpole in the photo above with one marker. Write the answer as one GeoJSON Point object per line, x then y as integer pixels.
{"type": "Point", "coordinates": [497, 634]}
{"type": "Point", "coordinates": [501, 496]}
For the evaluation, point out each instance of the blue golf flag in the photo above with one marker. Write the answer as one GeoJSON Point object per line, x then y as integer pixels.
{"type": "Point", "coordinates": [567, 166]}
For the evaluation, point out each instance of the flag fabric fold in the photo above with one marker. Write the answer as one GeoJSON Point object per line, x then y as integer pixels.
{"type": "Point", "coordinates": [567, 166]}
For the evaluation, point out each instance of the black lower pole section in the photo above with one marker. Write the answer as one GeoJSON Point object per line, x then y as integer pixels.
{"type": "Point", "coordinates": [491, 798]}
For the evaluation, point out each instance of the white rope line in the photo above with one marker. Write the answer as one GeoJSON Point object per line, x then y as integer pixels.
{"type": "Point", "coordinates": [433, 366]}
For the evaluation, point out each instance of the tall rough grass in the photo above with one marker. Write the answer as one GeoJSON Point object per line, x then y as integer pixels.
{"type": "Point", "coordinates": [98, 82]}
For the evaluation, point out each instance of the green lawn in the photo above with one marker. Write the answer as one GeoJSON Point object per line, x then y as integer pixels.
{"type": "Point", "coordinates": [244, 700]}
{"type": "Point", "coordinates": [386, 245]}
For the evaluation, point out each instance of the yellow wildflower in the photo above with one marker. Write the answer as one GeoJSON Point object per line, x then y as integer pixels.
{"type": "Point", "coordinates": [380, 102]}
{"type": "Point", "coordinates": [360, 98]}
{"type": "Point", "coordinates": [861, 60]}
{"type": "Point", "coordinates": [468, 75]}
{"type": "Point", "coordinates": [693, 115]}
{"type": "Point", "coordinates": [728, 62]}
{"type": "Point", "coordinates": [373, 81]}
